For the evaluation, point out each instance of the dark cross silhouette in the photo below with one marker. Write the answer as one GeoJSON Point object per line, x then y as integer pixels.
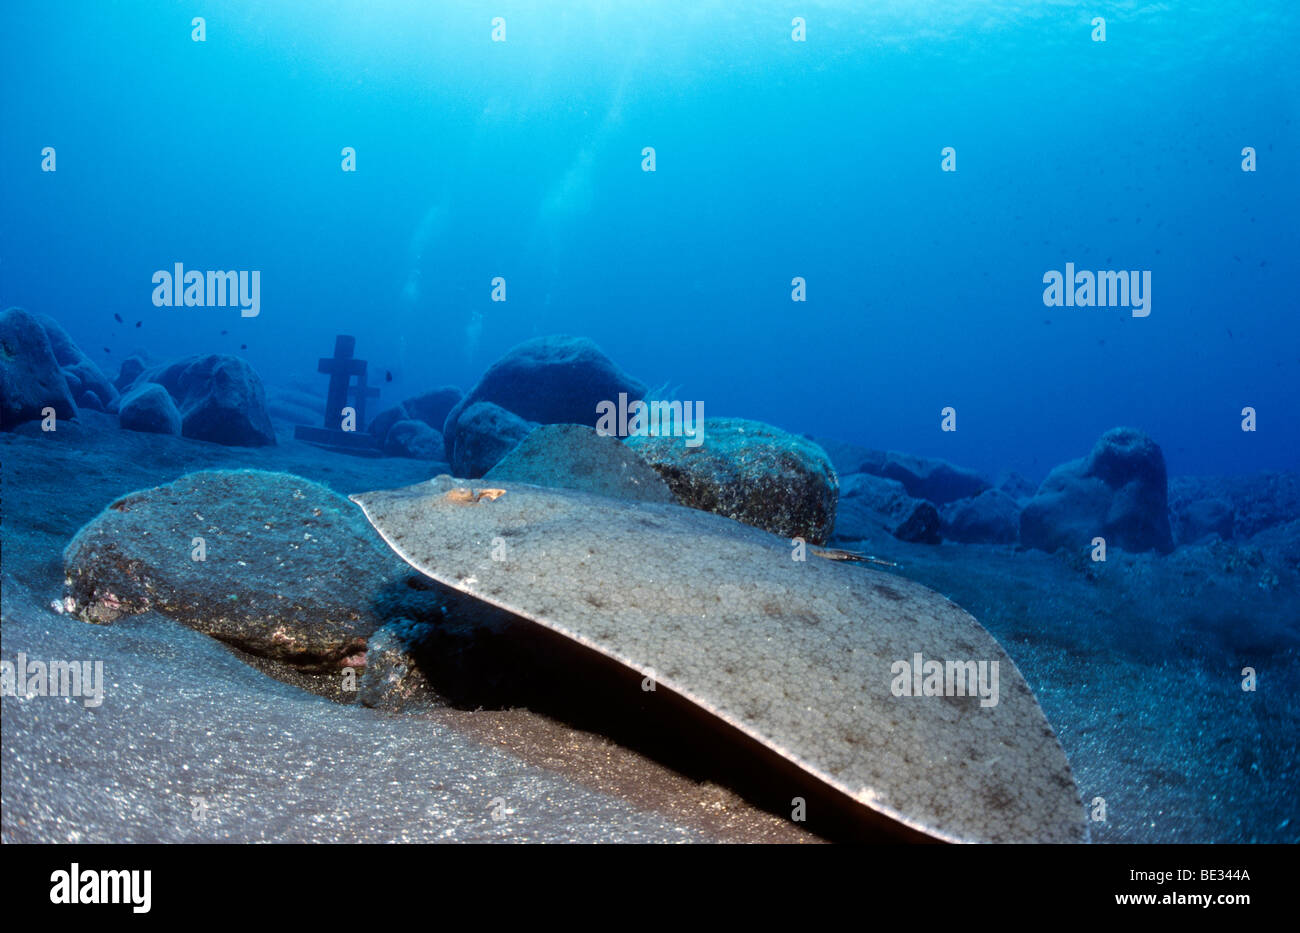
{"type": "Point", "coordinates": [341, 367]}
{"type": "Point", "coordinates": [360, 392]}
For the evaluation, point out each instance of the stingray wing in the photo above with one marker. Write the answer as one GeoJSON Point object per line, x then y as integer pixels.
{"type": "Point", "coordinates": [800, 655]}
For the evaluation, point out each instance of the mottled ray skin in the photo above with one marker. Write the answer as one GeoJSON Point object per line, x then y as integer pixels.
{"type": "Point", "coordinates": [795, 654]}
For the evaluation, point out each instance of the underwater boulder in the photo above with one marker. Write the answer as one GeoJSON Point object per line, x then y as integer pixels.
{"type": "Point", "coordinates": [220, 399]}
{"type": "Point", "coordinates": [871, 504]}
{"type": "Point", "coordinates": [574, 456]}
{"type": "Point", "coordinates": [992, 517]}
{"type": "Point", "coordinates": [549, 380]}
{"type": "Point", "coordinates": [128, 373]}
{"type": "Point", "coordinates": [1204, 518]}
{"type": "Point", "coordinates": [1119, 492]}
{"type": "Point", "coordinates": [931, 479]}
{"type": "Point", "coordinates": [1258, 501]}
{"type": "Point", "coordinates": [484, 433]}
{"type": "Point", "coordinates": [751, 472]}
{"type": "Point", "coordinates": [86, 381]}
{"type": "Point", "coordinates": [394, 678]}
{"type": "Point", "coordinates": [149, 409]}
{"type": "Point", "coordinates": [30, 377]}
{"type": "Point", "coordinates": [413, 439]}
{"type": "Point", "coordinates": [454, 650]}
{"type": "Point", "coordinates": [1016, 486]}
{"type": "Point", "coordinates": [928, 478]}
{"type": "Point", "coordinates": [851, 458]}
{"type": "Point", "coordinates": [431, 407]}
{"type": "Point", "coordinates": [271, 563]}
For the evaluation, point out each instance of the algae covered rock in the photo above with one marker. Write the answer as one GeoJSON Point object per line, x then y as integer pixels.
{"type": "Point", "coordinates": [394, 679]}
{"type": "Point", "coordinates": [573, 456]}
{"type": "Point", "coordinates": [751, 472]}
{"type": "Point", "coordinates": [1119, 492]}
{"type": "Point", "coordinates": [271, 563]}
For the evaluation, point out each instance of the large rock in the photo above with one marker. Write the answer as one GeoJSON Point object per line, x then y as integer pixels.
{"type": "Point", "coordinates": [30, 377]}
{"type": "Point", "coordinates": [394, 678]}
{"type": "Point", "coordinates": [934, 480]}
{"type": "Point", "coordinates": [548, 380]}
{"type": "Point", "coordinates": [150, 409]}
{"type": "Point", "coordinates": [128, 373]}
{"type": "Point", "coordinates": [928, 478]}
{"type": "Point", "coordinates": [220, 399]}
{"type": "Point", "coordinates": [431, 407]}
{"type": "Point", "coordinates": [1204, 518]}
{"type": "Point", "coordinates": [1016, 486]}
{"type": "Point", "coordinates": [484, 434]}
{"type": "Point", "coordinates": [87, 383]}
{"type": "Point", "coordinates": [413, 439]}
{"type": "Point", "coordinates": [574, 456]}
{"type": "Point", "coordinates": [751, 472]}
{"type": "Point", "coordinates": [851, 458]}
{"type": "Point", "coordinates": [1119, 492]}
{"type": "Point", "coordinates": [871, 504]}
{"type": "Point", "coordinates": [290, 571]}
{"type": "Point", "coordinates": [992, 517]}
{"type": "Point", "coordinates": [1257, 501]}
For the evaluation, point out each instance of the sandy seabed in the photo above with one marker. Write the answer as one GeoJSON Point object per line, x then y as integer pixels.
{"type": "Point", "coordinates": [1136, 662]}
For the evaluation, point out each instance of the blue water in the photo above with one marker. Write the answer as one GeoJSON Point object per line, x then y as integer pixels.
{"type": "Point", "coordinates": [775, 159]}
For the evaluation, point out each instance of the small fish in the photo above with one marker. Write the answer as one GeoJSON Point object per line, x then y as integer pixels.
{"type": "Point", "coordinates": [243, 346]}
{"type": "Point", "coordinates": [834, 553]}
{"type": "Point", "coordinates": [138, 323]}
{"type": "Point", "coordinates": [118, 318]}
{"type": "Point", "coordinates": [224, 332]}
{"type": "Point", "coordinates": [107, 350]}
{"type": "Point", "coordinates": [388, 376]}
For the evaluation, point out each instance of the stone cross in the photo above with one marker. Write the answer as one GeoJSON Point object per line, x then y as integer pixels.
{"type": "Point", "coordinates": [341, 367]}
{"type": "Point", "coordinates": [361, 392]}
